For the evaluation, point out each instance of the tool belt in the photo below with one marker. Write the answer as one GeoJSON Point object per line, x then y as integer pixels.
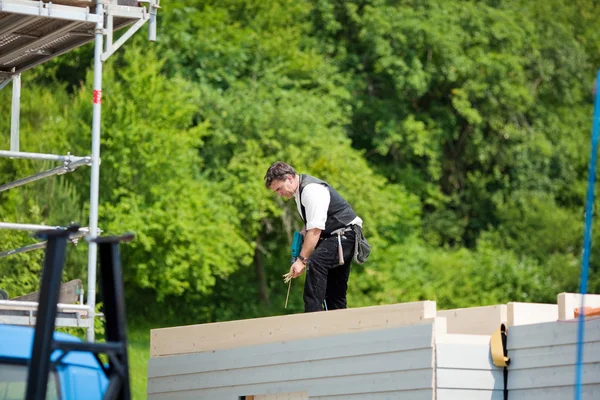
{"type": "Point", "coordinates": [362, 248]}
{"type": "Point", "coordinates": [339, 233]}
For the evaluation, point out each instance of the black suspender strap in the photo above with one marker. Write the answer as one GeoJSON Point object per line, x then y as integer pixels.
{"type": "Point", "coordinates": [500, 353]}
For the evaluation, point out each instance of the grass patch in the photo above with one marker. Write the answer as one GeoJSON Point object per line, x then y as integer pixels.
{"type": "Point", "coordinates": [139, 354]}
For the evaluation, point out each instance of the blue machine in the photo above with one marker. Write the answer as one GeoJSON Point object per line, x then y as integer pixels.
{"type": "Point", "coordinates": [42, 364]}
{"type": "Point", "coordinates": [76, 376]}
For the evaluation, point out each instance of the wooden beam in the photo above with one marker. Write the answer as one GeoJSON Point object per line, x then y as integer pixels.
{"type": "Point", "coordinates": [233, 334]}
{"type": "Point", "coordinates": [474, 320]}
{"type": "Point", "coordinates": [588, 312]}
{"type": "Point", "coordinates": [531, 313]}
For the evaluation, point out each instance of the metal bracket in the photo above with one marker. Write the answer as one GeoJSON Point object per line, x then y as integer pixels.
{"type": "Point", "coordinates": [115, 46]}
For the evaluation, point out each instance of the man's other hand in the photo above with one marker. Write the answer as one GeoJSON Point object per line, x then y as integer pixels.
{"type": "Point", "coordinates": [297, 268]}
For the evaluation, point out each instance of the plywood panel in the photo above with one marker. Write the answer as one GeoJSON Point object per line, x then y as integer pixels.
{"type": "Point", "coordinates": [464, 356]}
{"type": "Point", "coordinates": [552, 376]}
{"type": "Point", "coordinates": [407, 361]}
{"type": "Point", "coordinates": [539, 357]}
{"type": "Point", "coordinates": [568, 302]}
{"type": "Point", "coordinates": [469, 379]}
{"type": "Point", "coordinates": [531, 313]}
{"type": "Point", "coordinates": [589, 392]}
{"type": "Point", "coordinates": [347, 345]}
{"type": "Point", "coordinates": [551, 333]}
{"type": "Point", "coordinates": [462, 338]}
{"type": "Point", "coordinates": [282, 396]}
{"type": "Point", "coordinates": [475, 320]}
{"type": "Point", "coordinates": [408, 394]}
{"type": "Point", "coordinates": [462, 394]}
{"type": "Point", "coordinates": [410, 381]}
{"type": "Point", "coordinates": [393, 395]}
{"type": "Point", "coordinates": [192, 395]}
{"type": "Point", "coordinates": [233, 334]}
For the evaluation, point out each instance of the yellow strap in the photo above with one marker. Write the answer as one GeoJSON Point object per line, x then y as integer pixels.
{"type": "Point", "coordinates": [497, 347]}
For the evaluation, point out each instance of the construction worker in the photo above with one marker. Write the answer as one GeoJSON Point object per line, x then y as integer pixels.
{"type": "Point", "coordinates": [330, 226]}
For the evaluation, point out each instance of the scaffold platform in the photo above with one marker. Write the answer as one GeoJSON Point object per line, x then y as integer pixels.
{"type": "Point", "coordinates": [33, 32]}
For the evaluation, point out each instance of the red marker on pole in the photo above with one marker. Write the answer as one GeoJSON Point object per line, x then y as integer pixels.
{"type": "Point", "coordinates": [97, 96]}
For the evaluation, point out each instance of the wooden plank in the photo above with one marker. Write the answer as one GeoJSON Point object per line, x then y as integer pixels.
{"type": "Point", "coordinates": [282, 396]}
{"type": "Point", "coordinates": [457, 338]}
{"type": "Point", "coordinates": [552, 376]}
{"type": "Point", "coordinates": [463, 394]}
{"type": "Point", "coordinates": [531, 313]}
{"type": "Point", "coordinates": [587, 311]}
{"type": "Point", "coordinates": [193, 395]}
{"type": "Point", "coordinates": [464, 356]}
{"type": "Point", "coordinates": [469, 379]}
{"type": "Point", "coordinates": [407, 361]}
{"type": "Point", "coordinates": [69, 293]}
{"type": "Point", "coordinates": [588, 392]}
{"type": "Point", "coordinates": [568, 302]}
{"type": "Point", "coordinates": [539, 357]}
{"type": "Point", "coordinates": [408, 381]}
{"type": "Point", "coordinates": [475, 320]}
{"type": "Point", "coordinates": [232, 334]}
{"type": "Point", "coordinates": [395, 395]}
{"type": "Point", "coordinates": [346, 345]}
{"type": "Point", "coordinates": [551, 334]}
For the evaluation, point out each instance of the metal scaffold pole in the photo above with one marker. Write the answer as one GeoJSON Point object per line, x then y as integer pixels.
{"type": "Point", "coordinates": [95, 176]}
{"type": "Point", "coordinates": [33, 32]}
{"type": "Point", "coordinates": [15, 111]}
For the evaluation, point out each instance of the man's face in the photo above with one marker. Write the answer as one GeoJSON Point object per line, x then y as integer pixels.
{"type": "Point", "coordinates": [284, 188]}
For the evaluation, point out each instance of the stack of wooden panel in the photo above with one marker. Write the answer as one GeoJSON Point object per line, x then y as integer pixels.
{"type": "Point", "coordinates": [401, 351]}
{"type": "Point", "coordinates": [364, 353]}
{"type": "Point", "coordinates": [543, 359]}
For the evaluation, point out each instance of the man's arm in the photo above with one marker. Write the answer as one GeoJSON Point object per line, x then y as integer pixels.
{"type": "Point", "coordinates": [311, 238]}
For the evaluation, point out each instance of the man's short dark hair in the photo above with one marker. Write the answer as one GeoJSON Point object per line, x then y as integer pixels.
{"type": "Point", "coordinates": [278, 171]}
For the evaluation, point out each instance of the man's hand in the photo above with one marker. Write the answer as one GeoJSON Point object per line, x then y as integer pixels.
{"type": "Point", "coordinates": [297, 268]}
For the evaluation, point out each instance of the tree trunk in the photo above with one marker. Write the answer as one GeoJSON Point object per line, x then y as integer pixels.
{"type": "Point", "coordinates": [260, 272]}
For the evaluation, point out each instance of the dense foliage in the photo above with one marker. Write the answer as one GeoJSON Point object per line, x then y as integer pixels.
{"type": "Point", "coordinates": [458, 130]}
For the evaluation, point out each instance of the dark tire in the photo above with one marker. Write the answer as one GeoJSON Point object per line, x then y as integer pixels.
{"type": "Point", "coordinates": [3, 295]}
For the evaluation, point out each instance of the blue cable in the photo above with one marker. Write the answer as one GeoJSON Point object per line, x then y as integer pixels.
{"type": "Point", "coordinates": [587, 239]}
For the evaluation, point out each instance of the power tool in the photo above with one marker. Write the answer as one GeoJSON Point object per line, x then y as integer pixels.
{"type": "Point", "coordinates": [296, 245]}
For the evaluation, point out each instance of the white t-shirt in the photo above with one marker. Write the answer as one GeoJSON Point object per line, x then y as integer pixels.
{"type": "Point", "coordinates": [315, 199]}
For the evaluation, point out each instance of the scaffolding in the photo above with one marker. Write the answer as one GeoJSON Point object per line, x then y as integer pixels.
{"type": "Point", "coordinates": [31, 33]}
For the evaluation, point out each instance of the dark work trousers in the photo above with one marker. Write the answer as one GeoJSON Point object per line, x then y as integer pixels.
{"type": "Point", "coordinates": [326, 279]}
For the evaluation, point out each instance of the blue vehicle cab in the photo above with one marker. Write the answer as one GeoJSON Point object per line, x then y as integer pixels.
{"type": "Point", "coordinates": [78, 375]}
{"type": "Point", "coordinates": [42, 364]}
